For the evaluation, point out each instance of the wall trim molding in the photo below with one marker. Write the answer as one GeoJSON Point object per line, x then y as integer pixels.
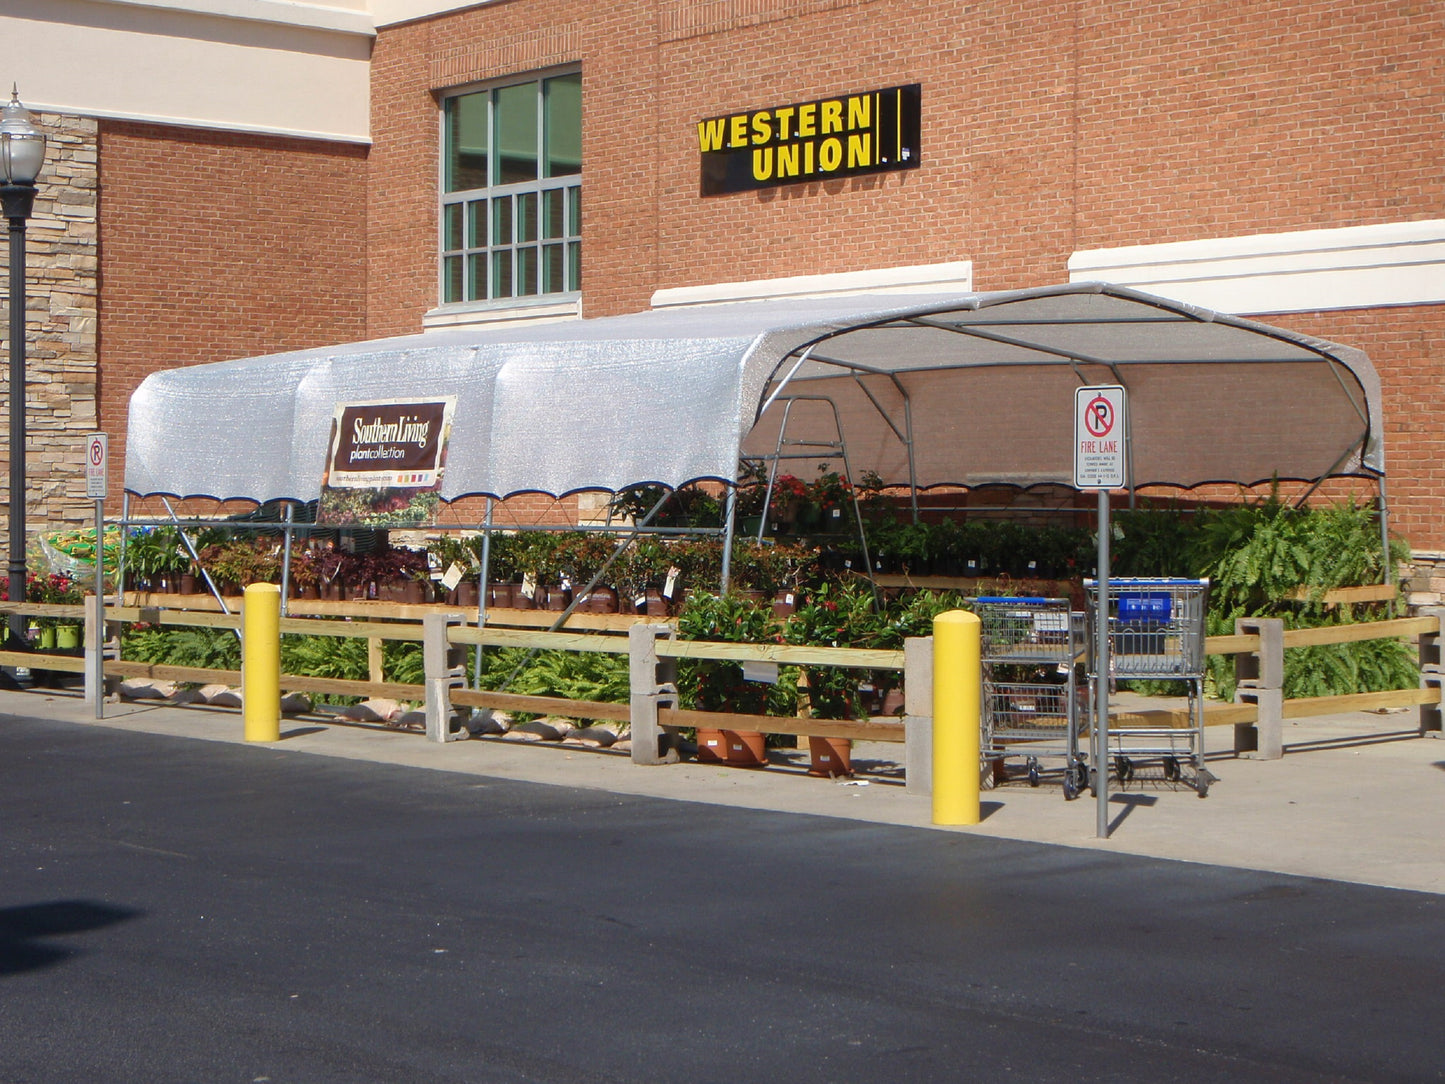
{"type": "Point", "coordinates": [1353, 267]}
{"type": "Point", "coordinates": [925, 278]}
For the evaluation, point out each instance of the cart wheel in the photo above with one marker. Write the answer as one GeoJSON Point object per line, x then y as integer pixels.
{"type": "Point", "coordinates": [1171, 769]}
{"type": "Point", "coordinates": [1094, 782]}
{"type": "Point", "coordinates": [1123, 769]}
{"type": "Point", "coordinates": [1201, 784]}
{"type": "Point", "coordinates": [1071, 785]}
{"type": "Point", "coordinates": [1033, 773]}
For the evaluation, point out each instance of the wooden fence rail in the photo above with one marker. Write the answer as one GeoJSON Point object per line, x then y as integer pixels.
{"type": "Point", "coordinates": [1257, 644]}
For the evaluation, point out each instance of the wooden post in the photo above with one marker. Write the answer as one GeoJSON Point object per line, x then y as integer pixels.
{"type": "Point", "coordinates": [373, 659]}
{"type": "Point", "coordinates": [1260, 681]}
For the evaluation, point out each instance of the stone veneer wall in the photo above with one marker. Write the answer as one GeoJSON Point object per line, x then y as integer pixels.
{"type": "Point", "coordinates": [61, 329]}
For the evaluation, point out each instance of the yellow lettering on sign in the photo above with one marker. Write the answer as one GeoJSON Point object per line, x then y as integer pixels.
{"type": "Point", "coordinates": [710, 134]}
{"type": "Point", "coordinates": [860, 149]}
{"type": "Point", "coordinates": [788, 161]}
{"type": "Point", "coordinates": [830, 154]}
{"type": "Point", "coordinates": [832, 119]}
{"type": "Point", "coordinates": [738, 130]}
{"type": "Point", "coordinates": [762, 127]}
{"type": "Point", "coordinates": [807, 158]}
{"type": "Point", "coordinates": [762, 163]}
{"type": "Point", "coordinates": [807, 120]}
{"type": "Point", "coordinates": [784, 113]}
{"type": "Point", "coordinates": [860, 112]}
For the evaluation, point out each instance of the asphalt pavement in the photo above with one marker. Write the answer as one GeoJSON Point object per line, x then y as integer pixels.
{"type": "Point", "coordinates": [388, 909]}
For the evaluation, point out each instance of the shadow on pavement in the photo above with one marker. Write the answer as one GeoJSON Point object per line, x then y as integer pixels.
{"type": "Point", "coordinates": [25, 930]}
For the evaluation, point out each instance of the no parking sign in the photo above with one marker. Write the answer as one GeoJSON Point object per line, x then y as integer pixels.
{"type": "Point", "coordinates": [97, 448]}
{"type": "Point", "coordinates": [1099, 425]}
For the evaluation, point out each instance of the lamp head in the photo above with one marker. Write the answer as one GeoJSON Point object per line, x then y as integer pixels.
{"type": "Point", "coordinates": [22, 144]}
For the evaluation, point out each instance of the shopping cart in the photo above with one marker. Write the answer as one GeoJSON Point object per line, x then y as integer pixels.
{"type": "Point", "coordinates": [1155, 631]}
{"type": "Point", "coordinates": [1032, 699]}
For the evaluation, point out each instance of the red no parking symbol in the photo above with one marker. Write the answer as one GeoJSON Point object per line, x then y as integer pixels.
{"type": "Point", "coordinates": [1099, 416]}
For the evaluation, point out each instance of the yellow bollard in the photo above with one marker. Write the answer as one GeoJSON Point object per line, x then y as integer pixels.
{"type": "Point", "coordinates": [957, 676]}
{"type": "Point", "coordinates": [261, 662]}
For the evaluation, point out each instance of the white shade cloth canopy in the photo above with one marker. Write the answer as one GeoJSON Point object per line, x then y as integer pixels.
{"type": "Point", "coordinates": [967, 389]}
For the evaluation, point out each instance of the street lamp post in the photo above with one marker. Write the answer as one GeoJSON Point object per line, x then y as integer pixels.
{"type": "Point", "coordinates": [22, 150]}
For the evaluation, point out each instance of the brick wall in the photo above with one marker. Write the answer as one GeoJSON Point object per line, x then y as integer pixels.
{"type": "Point", "coordinates": [222, 245]}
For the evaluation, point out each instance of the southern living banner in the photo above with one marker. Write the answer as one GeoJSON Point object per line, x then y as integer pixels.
{"type": "Point", "coordinates": [851, 134]}
{"type": "Point", "coordinates": [384, 462]}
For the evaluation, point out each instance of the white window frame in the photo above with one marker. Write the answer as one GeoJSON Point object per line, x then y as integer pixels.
{"type": "Point", "coordinates": [474, 257]}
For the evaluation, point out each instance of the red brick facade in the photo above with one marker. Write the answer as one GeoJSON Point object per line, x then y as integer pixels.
{"type": "Point", "coordinates": [1048, 128]}
{"type": "Point", "coordinates": [221, 245]}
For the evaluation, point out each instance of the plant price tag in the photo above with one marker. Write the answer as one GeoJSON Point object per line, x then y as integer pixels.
{"type": "Point", "coordinates": [453, 576]}
{"type": "Point", "coordinates": [529, 585]}
{"type": "Point", "coordinates": [765, 672]}
{"type": "Point", "coordinates": [671, 585]}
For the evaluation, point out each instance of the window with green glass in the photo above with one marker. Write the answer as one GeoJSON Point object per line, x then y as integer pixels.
{"type": "Point", "coordinates": [511, 208]}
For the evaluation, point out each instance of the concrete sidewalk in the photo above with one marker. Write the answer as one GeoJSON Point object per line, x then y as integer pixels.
{"type": "Point", "coordinates": [1357, 797]}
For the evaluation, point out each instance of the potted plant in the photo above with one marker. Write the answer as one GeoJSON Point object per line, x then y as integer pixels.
{"type": "Point", "coordinates": [718, 684]}
{"type": "Point", "coordinates": [839, 614]}
{"type": "Point", "coordinates": [641, 576]}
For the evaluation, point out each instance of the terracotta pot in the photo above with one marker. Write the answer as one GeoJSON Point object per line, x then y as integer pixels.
{"type": "Point", "coordinates": [521, 601]}
{"type": "Point", "coordinates": [655, 605]}
{"type": "Point", "coordinates": [736, 748]}
{"type": "Point", "coordinates": [829, 757]}
{"type": "Point", "coordinates": [499, 596]}
{"type": "Point", "coordinates": [188, 583]}
{"type": "Point", "coordinates": [412, 592]}
{"type": "Point", "coordinates": [558, 598]}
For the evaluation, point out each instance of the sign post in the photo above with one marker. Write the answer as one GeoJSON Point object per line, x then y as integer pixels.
{"type": "Point", "coordinates": [97, 453]}
{"type": "Point", "coordinates": [1099, 463]}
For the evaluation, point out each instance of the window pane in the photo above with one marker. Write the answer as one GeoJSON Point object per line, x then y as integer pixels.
{"type": "Point", "coordinates": [502, 221]}
{"type": "Point", "coordinates": [552, 204]}
{"type": "Point", "coordinates": [574, 211]}
{"type": "Point", "coordinates": [477, 276]}
{"type": "Point", "coordinates": [562, 110]}
{"type": "Point", "coordinates": [452, 278]}
{"type": "Point", "coordinates": [552, 258]}
{"type": "Point", "coordinates": [502, 274]}
{"type": "Point", "coordinates": [526, 216]}
{"type": "Point", "coordinates": [477, 223]}
{"type": "Point", "coordinates": [516, 134]}
{"type": "Point", "coordinates": [574, 266]}
{"type": "Point", "coordinates": [452, 226]}
{"type": "Point", "coordinates": [526, 271]}
{"type": "Point", "coordinates": [466, 142]}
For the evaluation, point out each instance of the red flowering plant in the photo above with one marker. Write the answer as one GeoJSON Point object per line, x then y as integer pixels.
{"type": "Point", "coordinates": [842, 614]}
{"type": "Point", "coordinates": [830, 490]}
{"type": "Point", "coordinates": [717, 684]}
{"type": "Point", "coordinates": [55, 589]}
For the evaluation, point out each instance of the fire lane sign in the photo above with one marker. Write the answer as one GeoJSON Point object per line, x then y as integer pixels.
{"type": "Point", "coordinates": [96, 450]}
{"type": "Point", "coordinates": [1100, 419]}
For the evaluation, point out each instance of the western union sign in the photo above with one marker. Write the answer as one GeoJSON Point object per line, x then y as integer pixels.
{"type": "Point", "coordinates": [811, 141]}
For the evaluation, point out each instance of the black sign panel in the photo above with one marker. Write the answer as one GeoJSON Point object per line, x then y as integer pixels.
{"type": "Point", "coordinates": [872, 132]}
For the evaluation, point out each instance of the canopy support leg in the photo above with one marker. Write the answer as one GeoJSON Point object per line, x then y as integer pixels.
{"type": "Point", "coordinates": [483, 579]}
{"type": "Point", "coordinates": [286, 555]}
{"type": "Point", "coordinates": [1387, 565]}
